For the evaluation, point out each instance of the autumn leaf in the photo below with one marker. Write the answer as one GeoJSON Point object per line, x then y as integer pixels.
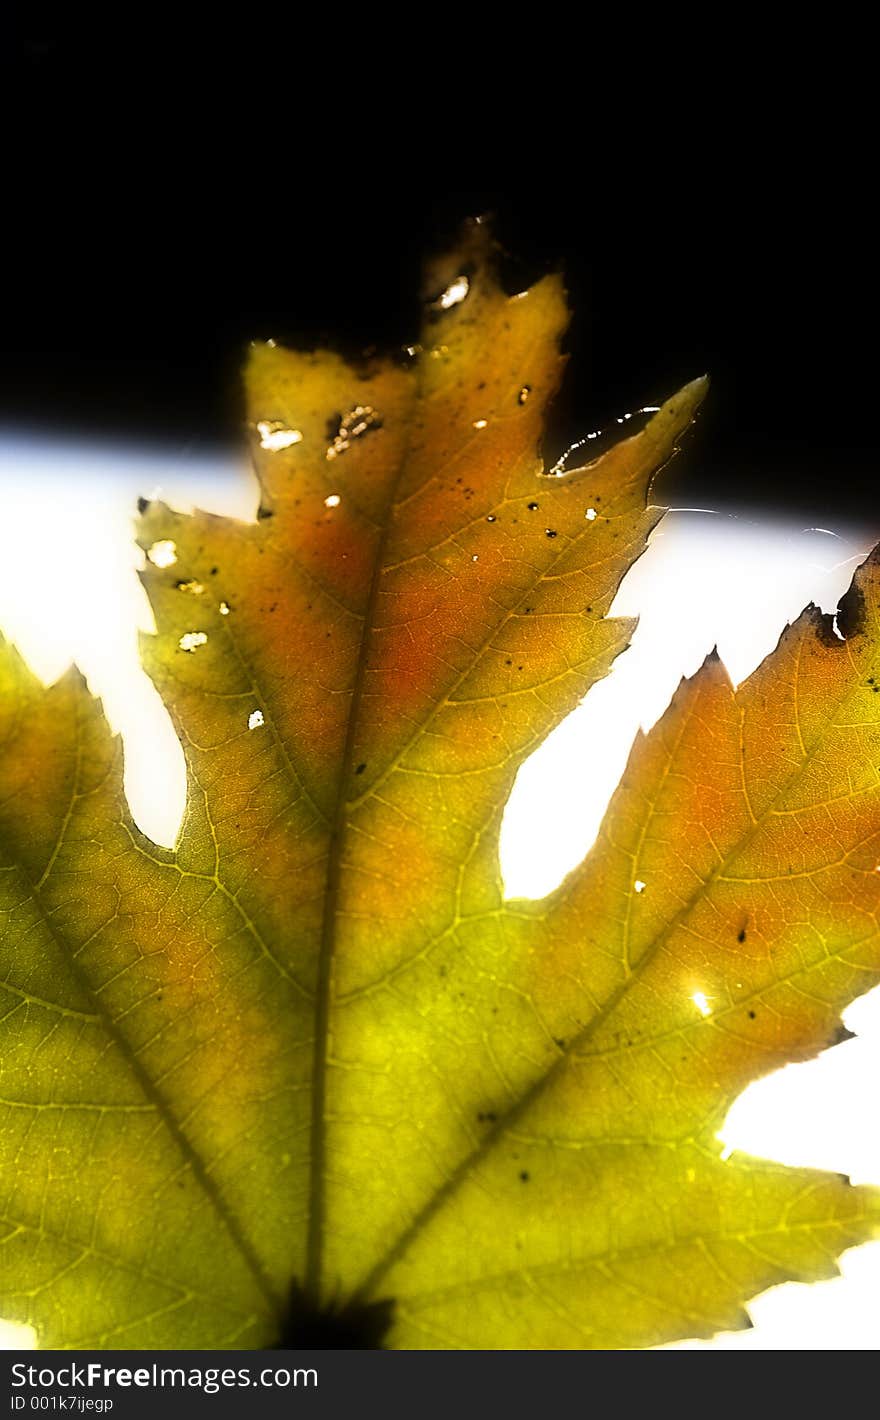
{"type": "Point", "coordinates": [311, 1069]}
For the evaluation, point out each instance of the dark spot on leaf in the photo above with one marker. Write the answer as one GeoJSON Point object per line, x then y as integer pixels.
{"type": "Point", "coordinates": [551, 532]}
{"type": "Point", "coordinates": [741, 934]}
{"type": "Point", "coordinates": [360, 769]}
{"type": "Point", "coordinates": [751, 1015]}
{"type": "Point", "coordinates": [851, 613]}
{"type": "Point", "coordinates": [823, 624]}
{"type": "Point", "coordinates": [533, 507]}
{"type": "Point", "coordinates": [524, 1176]}
{"type": "Point", "coordinates": [558, 1040]}
{"type": "Point", "coordinates": [263, 513]}
{"type": "Point", "coordinates": [214, 571]}
{"type": "Point", "coordinates": [348, 1328]}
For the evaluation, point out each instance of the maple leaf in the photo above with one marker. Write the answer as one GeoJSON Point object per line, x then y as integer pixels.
{"type": "Point", "coordinates": [310, 1073]}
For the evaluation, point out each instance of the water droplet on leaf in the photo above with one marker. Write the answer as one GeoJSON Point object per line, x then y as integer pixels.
{"type": "Point", "coordinates": [454, 294]}
{"type": "Point", "coordinates": [275, 435]}
{"type": "Point", "coordinates": [353, 425]}
{"type": "Point", "coordinates": [163, 554]}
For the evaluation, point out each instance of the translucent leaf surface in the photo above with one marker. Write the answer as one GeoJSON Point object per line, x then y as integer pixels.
{"type": "Point", "coordinates": [313, 1052]}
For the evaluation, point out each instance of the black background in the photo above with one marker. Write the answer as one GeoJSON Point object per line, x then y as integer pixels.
{"type": "Point", "coordinates": [172, 192]}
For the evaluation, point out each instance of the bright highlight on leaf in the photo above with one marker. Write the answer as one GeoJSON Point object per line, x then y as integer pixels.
{"type": "Point", "coordinates": [274, 435]}
{"type": "Point", "coordinates": [311, 1070]}
{"type": "Point", "coordinates": [162, 553]}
